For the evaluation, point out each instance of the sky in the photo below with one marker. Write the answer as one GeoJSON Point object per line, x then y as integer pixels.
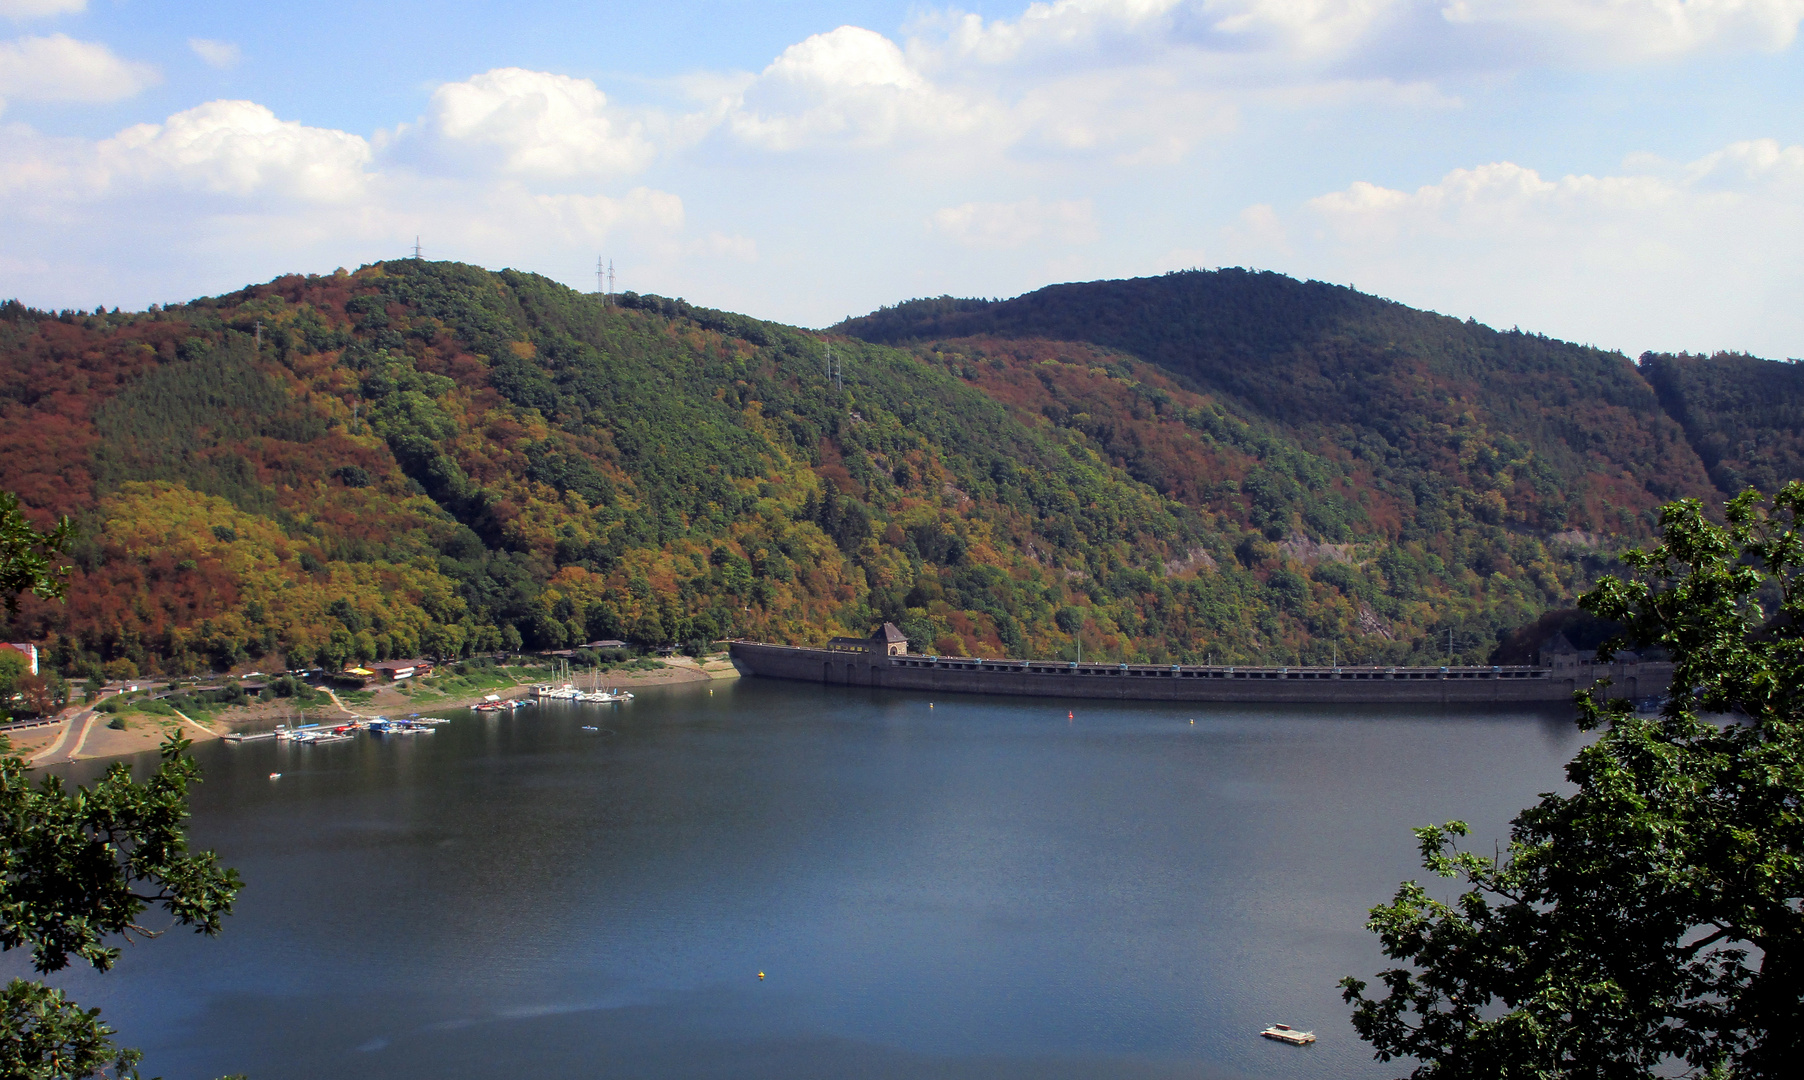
{"type": "Point", "coordinates": [1624, 173]}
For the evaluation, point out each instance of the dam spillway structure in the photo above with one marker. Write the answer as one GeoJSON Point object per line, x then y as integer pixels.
{"type": "Point", "coordinates": [883, 661]}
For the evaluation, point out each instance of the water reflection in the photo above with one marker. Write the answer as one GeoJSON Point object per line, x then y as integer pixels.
{"type": "Point", "coordinates": [984, 888]}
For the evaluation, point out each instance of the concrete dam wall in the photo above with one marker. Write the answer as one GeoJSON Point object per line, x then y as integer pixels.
{"type": "Point", "coordinates": [851, 666]}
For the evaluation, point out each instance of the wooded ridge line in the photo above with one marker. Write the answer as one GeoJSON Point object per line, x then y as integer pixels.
{"type": "Point", "coordinates": [425, 458]}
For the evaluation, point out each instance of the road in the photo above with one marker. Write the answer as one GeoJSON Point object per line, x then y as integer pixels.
{"type": "Point", "coordinates": [61, 751]}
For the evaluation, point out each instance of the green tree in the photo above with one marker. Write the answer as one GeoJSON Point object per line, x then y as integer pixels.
{"type": "Point", "coordinates": [78, 867]}
{"type": "Point", "coordinates": [14, 670]}
{"type": "Point", "coordinates": [1651, 920]}
{"type": "Point", "coordinates": [28, 557]}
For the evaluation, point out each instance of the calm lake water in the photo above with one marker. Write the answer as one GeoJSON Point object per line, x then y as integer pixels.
{"type": "Point", "coordinates": [984, 888]}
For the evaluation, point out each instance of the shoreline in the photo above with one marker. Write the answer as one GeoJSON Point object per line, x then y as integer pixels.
{"type": "Point", "coordinates": [83, 734]}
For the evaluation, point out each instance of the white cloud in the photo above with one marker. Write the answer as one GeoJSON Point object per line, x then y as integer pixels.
{"type": "Point", "coordinates": [1631, 30]}
{"type": "Point", "coordinates": [1703, 254]}
{"type": "Point", "coordinates": [538, 123]}
{"type": "Point", "coordinates": [1309, 32]}
{"type": "Point", "coordinates": [229, 192]}
{"type": "Point", "coordinates": [852, 87]}
{"type": "Point", "coordinates": [60, 68]}
{"type": "Point", "coordinates": [217, 54]}
{"type": "Point", "coordinates": [1142, 82]}
{"type": "Point", "coordinates": [853, 140]}
{"type": "Point", "coordinates": [1002, 225]}
{"type": "Point", "coordinates": [1062, 27]}
{"type": "Point", "coordinates": [240, 148]}
{"type": "Point", "coordinates": [38, 9]}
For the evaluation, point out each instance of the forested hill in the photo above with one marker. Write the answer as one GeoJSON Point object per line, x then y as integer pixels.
{"type": "Point", "coordinates": [1434, 408]}
{"type": "Point", "coordinates": [1745, 416]}
{"type": "Point", "coordinates": [425, 457]}
{"type": "Point", "coordinates": [1446, 434]}
{"type": "Point", "coordinates": [429, 457]}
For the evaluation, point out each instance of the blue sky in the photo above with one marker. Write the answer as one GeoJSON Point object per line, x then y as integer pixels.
{"type": "Point", "coordinates": [1622, 172]}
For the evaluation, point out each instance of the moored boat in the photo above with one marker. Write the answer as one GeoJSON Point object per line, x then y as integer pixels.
{"type": "Point", "coordinates": [1286, 1033]}
{"type": "Point", "coordinates": [603, 697]}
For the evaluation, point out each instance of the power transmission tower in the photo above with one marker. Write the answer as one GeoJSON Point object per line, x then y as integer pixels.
{"type": "Point", "coordinates": [604, 280]}
{"type": "Point", "coordinates": [259, 336]}
{"type": "Point", "coordinates": [416, 248]}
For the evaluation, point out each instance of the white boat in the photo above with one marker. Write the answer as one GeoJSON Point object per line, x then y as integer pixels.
{"type": "Point", "coordinates": [566, 691]}
{"type": "Point", "coordinates": [602, 697]}
{"type": "Point", "coordinates": [1286, 1033]}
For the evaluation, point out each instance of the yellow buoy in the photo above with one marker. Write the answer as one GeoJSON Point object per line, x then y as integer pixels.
{"type": "Point", "coordinates": [761, 976]}
{"type": "Point", "coordinates": [1193, 722]}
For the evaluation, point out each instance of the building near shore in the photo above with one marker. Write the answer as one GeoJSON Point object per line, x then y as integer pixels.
{"type": "Point", "coordinates": [396, 670]}
{"type": "Point", "coordinates": [27, 649]}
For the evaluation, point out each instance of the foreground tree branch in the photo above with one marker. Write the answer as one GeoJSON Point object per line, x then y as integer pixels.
{"type": "Point", "coordinates": [1652, 920]}
{"type": "Point", "coordinates": [78, 866]}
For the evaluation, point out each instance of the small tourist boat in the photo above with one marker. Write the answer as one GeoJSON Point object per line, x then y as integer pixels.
{"type": "Point", "coordinates": [587, 727]}
{"type": "Point", "coordinates": [1286, 1033]}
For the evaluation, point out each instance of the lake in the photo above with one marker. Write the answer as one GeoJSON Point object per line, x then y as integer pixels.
{"type": "Point", "coordinates": [932, 887]}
